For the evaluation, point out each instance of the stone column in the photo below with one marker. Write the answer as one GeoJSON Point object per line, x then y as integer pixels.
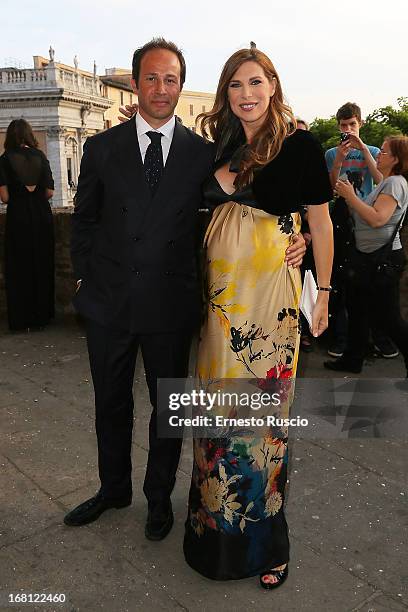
{"type": "Point", "coordinates": [82, 136]}
{"type": "Point", "coordinates": [57, 157]}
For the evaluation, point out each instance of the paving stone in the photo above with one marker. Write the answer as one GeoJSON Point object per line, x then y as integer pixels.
{"type": "Point", "coordinates": [89, 571]}
{"type": "Point", "coordinates": [389, 458]}
{"type": "Point", "coordinates": [379, 603]}
{"type": "Point", "coordinates": [25, 509]}
{"type": "Point", "coordinates": [360, 524]}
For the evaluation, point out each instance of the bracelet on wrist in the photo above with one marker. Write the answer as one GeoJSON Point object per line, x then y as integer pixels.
{"type": "Point", "coordinates": [329, 288]}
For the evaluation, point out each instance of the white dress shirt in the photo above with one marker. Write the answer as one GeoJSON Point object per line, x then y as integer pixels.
{"type": "Point", "coordinates": [167, 130]}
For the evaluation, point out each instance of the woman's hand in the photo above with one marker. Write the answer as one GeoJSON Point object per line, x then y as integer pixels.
{"type": "Point", "coordinates": [127, 111]}
{"type": "Point", "coordinates": [344, 189]}
{"type": "Point", "coordinates": [320, 316]}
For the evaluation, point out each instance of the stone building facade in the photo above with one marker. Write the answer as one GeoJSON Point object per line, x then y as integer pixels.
{"type": "Point", "coordinates": [64, 105]}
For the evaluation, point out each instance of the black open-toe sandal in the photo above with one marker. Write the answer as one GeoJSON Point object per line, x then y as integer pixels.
{"type": "Point", "coordinates": [280, 575]}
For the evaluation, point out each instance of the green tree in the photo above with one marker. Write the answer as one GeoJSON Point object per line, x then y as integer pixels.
{"type": "Point", "coordinates": [373, 132]}
{"type": "Point", "coordinates": [395, 118]}
{"type": "Point", "coordinates": [326, 132]}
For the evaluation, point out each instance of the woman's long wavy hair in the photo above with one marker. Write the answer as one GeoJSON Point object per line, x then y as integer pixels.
{"type": "Point", "coordinates": [224, 128]}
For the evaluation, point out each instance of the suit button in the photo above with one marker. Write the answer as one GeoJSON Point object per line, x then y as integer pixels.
{"type": "Point", "coordinates": [124, 209]}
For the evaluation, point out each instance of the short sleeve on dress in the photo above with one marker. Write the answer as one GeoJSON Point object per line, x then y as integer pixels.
{"type": "Point", "coordinates": [3, 174]}
{"type": "Point", "coordinates": [316, 187]}
{"type": "Point", "coordinates": [396, 187]}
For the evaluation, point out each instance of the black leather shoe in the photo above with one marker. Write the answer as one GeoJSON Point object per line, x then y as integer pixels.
{"type": "Point", "coordinates": [159, 522]}
{"type": "Point", "coordinates": [91, 509]}
{"type": "Point", "coordinates": [343, 365]}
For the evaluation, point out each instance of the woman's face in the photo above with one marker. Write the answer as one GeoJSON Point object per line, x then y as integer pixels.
{"type": "Point", "coordinates": [386, 160]}
{"type": "Point", "coordinates": [249, 94]}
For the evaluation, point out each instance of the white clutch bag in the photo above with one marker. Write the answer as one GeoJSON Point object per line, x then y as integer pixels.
{"type": "Point", "coordinates": [309, 296]}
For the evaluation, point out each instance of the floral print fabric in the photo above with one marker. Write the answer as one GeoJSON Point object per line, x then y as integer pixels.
{"type": "Point", "coordinates": [236, 525]}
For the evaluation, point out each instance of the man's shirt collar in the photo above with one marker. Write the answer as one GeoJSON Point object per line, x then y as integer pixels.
{"type": "Point", "coordinates": [167, 129]}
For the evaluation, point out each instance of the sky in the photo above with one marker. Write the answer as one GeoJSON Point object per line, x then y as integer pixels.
{"type": "Point", "coordinates": [325, 53]}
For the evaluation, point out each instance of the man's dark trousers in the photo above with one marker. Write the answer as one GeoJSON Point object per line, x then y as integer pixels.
{"type": "Point", "coordinates": [112, 356]}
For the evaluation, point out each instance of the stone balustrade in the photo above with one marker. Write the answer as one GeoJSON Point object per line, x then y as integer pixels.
{"type": "Point", "coordinates": [14, 76]}
{"type": "Point", "coordinates": [12, 79]}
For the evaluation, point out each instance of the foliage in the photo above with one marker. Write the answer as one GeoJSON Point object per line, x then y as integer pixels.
{"type": "Point", "coordinates": [396, 118]}
{"type": "Point", "coordinates": [326, 132]}
{"type": "Point", "coordinates": [373, 132]}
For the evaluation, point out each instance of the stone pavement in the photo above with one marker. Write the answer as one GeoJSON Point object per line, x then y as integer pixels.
{"type": "Point", "coordinates": [346, 503]}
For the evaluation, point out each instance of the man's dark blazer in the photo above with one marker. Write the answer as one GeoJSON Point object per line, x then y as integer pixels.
{"type": "Point", "coordinates": [136, 253]}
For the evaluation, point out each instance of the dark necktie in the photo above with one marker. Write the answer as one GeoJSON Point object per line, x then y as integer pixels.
{"type": "Point", "coordinates": [153, 161]}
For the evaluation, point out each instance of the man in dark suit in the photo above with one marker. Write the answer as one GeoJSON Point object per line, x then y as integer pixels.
{"type": "Point", "coordinates": [133, 252]}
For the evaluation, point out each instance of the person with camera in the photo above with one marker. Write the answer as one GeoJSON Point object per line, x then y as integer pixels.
{"type": "Point", "coordinates": [375, 268]}
{"type": "Point", "coordinates": [352, 156]}
{"type": "Point", "coordinates": [356, 160]}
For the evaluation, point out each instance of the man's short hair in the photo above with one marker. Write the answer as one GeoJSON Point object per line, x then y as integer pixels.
{"type": "Point", "coordinates": [158, 43]}
{"type": "Point", "coordinates": [302, 122]}
{"type": "Point", "coordinates": [347, 111]}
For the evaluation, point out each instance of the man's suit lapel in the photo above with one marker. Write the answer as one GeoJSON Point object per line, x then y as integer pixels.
{"type": "Point", "coordinates": [129, 164]}
{"type": "Point", "coordinates": [130, 171]}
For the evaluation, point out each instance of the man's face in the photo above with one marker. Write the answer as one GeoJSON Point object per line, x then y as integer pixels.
{"type": "Point", "coordinates": [350, 126]}
{"type": "Point", "coordinates": [158, 89]}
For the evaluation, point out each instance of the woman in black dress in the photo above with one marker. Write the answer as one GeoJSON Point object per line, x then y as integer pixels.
{"type": "Point", "coordinates": [266, 170]}
{"type": "Point", "coordinates": [26, 185]}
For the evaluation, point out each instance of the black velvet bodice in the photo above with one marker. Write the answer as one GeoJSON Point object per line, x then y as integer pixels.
{"type": "Point", "coordinates": [297, 176]}
{"type": "Point", "coordinates": [215, 195]}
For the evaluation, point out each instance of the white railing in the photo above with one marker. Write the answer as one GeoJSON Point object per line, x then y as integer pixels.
{"type": "Point", "coordinates": [11, 78]}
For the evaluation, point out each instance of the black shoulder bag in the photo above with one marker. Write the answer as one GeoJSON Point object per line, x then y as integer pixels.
{"type": "Point", "coordinates": [375, 267]}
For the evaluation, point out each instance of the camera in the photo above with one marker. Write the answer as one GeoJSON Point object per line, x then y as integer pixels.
{"type": "Point", "coordinates": [344, 136]}
{"type": "Point", "coordinates": [356, 179]}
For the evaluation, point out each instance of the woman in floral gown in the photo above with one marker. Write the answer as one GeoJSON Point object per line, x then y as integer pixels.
{"type": "Point", "coordinates": [266, 169]}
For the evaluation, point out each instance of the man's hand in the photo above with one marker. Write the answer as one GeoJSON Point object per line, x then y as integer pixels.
{"type": "Point", "coordinates": [342, 151]}
{"type": "Point", "coordinates": [127, 111]}
{"type": "Point", "coordinates": [294, 252]}
{"type": "Point", "coordinates": [356, 142]}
